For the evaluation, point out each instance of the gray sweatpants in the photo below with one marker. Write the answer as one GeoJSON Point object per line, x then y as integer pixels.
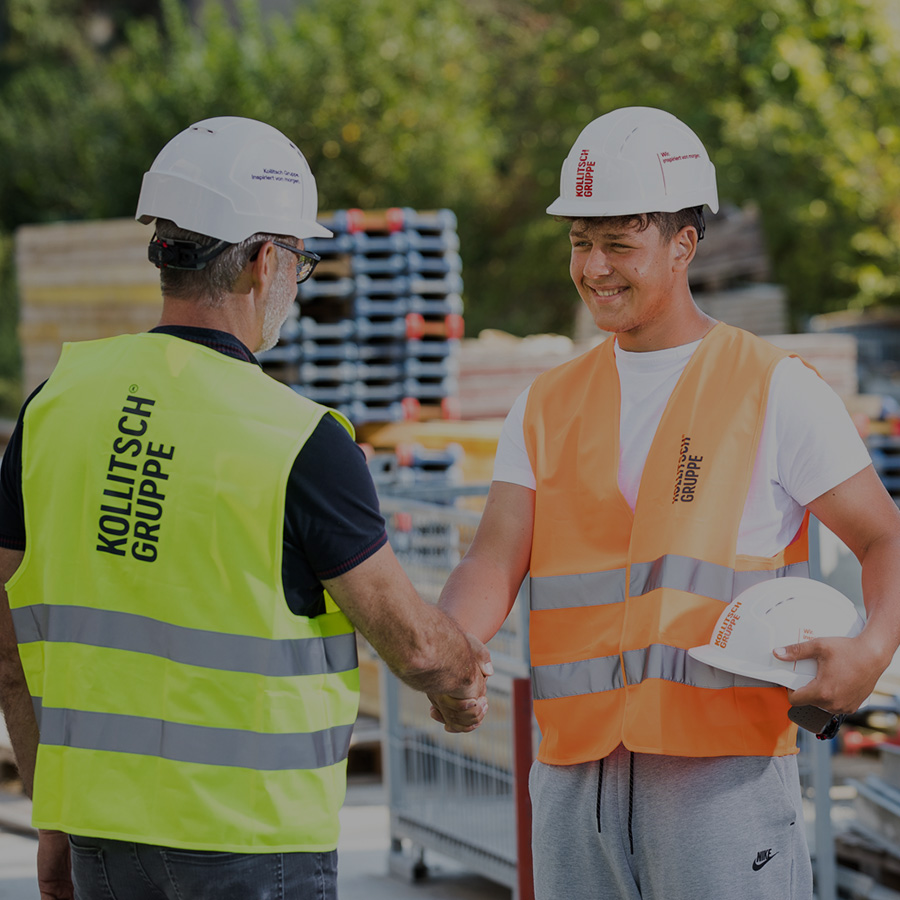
{"type": "Point", "coordinates": [644, 827]}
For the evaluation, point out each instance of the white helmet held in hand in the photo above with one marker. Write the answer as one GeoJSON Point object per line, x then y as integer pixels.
{"type": "Point", "coordinates": [230, 178]}
{"type": "Point", "coordinates": [774, 614]}
{"type": "Point", "coordinates": [635, 160]}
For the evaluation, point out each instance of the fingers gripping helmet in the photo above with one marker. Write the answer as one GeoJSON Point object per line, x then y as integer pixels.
{"type": "Point", "coordinates": [635, 160]}
{"type": "Point", "coordinates": [229, 178]}
{"type": "Point", "coordinates": [773, 614]}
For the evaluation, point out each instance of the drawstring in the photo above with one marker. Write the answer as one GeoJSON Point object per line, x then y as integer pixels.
{"type": "Point", "coordinates": [631, 803]}
{"type": "Point", "coordinates": [599, 786]}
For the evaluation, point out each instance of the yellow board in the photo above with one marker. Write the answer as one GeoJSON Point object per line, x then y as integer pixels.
{"type": "Point", "coordinates": [477, 438]}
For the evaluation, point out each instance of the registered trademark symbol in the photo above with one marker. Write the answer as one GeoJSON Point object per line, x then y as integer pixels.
{"type": "Point", "coordinates": [133, 389]}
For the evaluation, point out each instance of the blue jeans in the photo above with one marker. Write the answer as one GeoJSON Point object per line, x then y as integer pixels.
{"type": "Point", "coordinates": [118, 870]}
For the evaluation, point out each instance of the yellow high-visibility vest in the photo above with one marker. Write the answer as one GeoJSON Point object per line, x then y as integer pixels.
{"type": "Point", "coordinates": [618, 597]}
{"type": "Point", "coordinates": [180, 702]}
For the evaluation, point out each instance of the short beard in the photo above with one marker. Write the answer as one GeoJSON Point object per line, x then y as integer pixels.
{"type": "Point", "coordinates": [277, 313]}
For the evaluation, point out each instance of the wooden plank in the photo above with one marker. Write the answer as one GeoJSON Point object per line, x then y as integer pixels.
{"type": "Point", "coordinates": [85, 263]}
{"type": "Point", "coordinates": [101, 269]}
{"type": "Point", "coordinates": [79, 295]}
{"type": "Point", "coordinates": [59, 236]}
{"type": "Point", "coordinates": [43, 328]}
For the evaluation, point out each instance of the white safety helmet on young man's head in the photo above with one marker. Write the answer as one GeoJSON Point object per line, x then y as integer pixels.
{"type": "Point", "coordinates": [635, 160]}
{"type": "Point", "coordinates": [230, 178]}
{"type": "Point", "coordinates": [774, 614]}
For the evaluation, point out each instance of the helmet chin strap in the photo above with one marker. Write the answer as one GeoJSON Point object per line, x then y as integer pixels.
{"type": "Point", "coordinates": [701, 222]}
{"type": "Point", "coordinates": [170, 254]}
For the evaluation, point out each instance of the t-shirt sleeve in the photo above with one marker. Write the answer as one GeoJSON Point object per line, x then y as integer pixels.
{"type": "Point", "coordinates": [512, 463]}
{"type": "Point", "coordinates": [332, 514]}
{"type": "Point", "coordinates": [12, 507]}
{"type": "Point", "coordinates": [818, 446]}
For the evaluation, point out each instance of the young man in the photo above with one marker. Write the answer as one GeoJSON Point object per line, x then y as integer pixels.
{"type": "Point", "coordinates": [643, 485]}
{"type": "Point", "coordinates": [187, 545]}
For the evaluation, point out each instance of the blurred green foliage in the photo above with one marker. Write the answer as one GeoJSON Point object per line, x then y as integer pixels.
{"type": "Point", "coordinates": [472, 105]}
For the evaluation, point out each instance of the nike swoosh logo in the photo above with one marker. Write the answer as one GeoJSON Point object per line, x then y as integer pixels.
{"type": "Point", "coordinates": [762, 858]}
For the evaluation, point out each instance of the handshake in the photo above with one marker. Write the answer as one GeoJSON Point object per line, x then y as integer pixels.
{"type": "Point", "coordinates": [463, 709]}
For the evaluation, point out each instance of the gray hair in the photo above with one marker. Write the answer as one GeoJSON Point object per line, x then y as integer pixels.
{"type": "Point", "coordinates": [210, 285]}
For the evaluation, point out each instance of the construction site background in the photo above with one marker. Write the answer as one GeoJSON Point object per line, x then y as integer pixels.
{"type": "Point", "coordinates": [428, 404]}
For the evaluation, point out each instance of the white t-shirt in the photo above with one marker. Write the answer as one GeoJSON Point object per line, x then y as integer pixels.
{"type": "Point", "coordinates": [809, 443]}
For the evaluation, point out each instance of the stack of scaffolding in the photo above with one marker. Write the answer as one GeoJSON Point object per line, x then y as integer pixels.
{"type": "Point", "coordinates": [426, 544]}
{"type": "Point", "coordinates": [885, 452]}
{"type": "Point", "coordinates": [377, 330]}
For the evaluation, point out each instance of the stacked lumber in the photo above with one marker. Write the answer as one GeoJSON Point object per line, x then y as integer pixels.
{"type": "Point", "coordinates": [833, 355]}
{"type": "Point", "coordinates": [79, 281]}
{"type": "Point", "coordinates": [496, 367]}
{"type": "Point", "coordinates": [732, 252]}
{"type": "Point", "coordinates": [760, 308]}
{"type": "Point", "coordinates": [85, 280]}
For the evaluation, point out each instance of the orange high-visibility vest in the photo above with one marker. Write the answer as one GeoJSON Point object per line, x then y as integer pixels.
{"type": "Point", "coordinates": [617, 597]}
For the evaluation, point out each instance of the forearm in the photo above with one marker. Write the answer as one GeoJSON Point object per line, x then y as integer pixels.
{"type": "Point", "coordinates": [21, 723]}
{"type": "Point", "coordinates": [881, 594]}
{"type": "Point", "coordinates": [15, 698]}
{"type": "Point", "coordinates": [482, 589]}
{"type": "Point", "coordinates": [423, 646]}
{"type": "Point", "coordinates": [863, 515]}
{"type": "Point", "coordinates": [435, 658]}
{"type": "Point", "coordinates": [479, 597]}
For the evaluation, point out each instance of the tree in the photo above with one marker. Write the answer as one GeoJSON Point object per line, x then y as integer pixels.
{"type": "Point", "coordinates": [472, 105]}
{"type": "Point", "coordinates": [797, 103]}
{"type": "Point", "coordinates": [384, 99]}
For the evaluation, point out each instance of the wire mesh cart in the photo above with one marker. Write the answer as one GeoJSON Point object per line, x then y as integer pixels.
{"type": "Point", "coordinates": [464, 796]}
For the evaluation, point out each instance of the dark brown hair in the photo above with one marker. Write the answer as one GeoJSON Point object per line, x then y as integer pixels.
{"type": "Point", "coordinates": [668, 223]}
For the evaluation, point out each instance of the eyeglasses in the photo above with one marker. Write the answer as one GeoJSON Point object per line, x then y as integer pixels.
{"type": "Point", "coordinates": [306, 264]}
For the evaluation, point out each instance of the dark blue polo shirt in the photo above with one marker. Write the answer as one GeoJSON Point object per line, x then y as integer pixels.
{"type": "Point", "coordinates": [332, 520]}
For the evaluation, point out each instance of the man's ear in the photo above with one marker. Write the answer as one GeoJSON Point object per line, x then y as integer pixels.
{"type": "Point", "coordinates": [685, 246]}
{"type": "Point", "coordinates": [264, 268]}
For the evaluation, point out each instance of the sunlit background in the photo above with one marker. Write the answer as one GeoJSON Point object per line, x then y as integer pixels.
{"type": "Point", "coordinates": [472, 105]}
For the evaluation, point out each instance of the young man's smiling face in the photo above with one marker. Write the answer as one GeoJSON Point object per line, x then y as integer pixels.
{"type": "Point", "coordinates": [632, 281]}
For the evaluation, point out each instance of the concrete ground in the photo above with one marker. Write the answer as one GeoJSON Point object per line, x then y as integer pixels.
{"type": "Point", "coordinates": [362, 852]}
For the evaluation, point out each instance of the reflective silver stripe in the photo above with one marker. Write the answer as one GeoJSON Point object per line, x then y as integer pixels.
{"type": "Point", "coordinates": [679, 572]}
{"type": "Point", "coordinates": [674, 664]}
{"type": "Point", "coordinates": [744, 580]}
{"type": "Point", "coordinates": [683, 573]}
{"type": "Point", "coordinates": [192, 646]}
{"type": "Point", "coordinates": [604, 673]}
{"type": "Point", "coordinates": [566, 591]}
{"type": "Point", "coordinates": [37, 702]}
{"type": "Point", "coordinates": [194, 743]}
{"type": "Point", "coordinates": [589, 676]}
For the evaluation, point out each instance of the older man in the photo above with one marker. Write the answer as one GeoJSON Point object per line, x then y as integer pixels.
{"type": "Point", "coordinates": [187, 545]}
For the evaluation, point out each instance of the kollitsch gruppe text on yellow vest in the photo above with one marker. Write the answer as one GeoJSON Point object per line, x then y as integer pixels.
{"type": "Point", "coordinates": [180, 702]}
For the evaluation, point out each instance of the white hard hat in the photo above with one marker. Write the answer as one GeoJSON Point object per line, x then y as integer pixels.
{"type": "Point", "coordinates": [774, 614]}
{"type": "Point", "coordinates": [635, 160]}
{"type": "Point", "coordinates": [230, 178]}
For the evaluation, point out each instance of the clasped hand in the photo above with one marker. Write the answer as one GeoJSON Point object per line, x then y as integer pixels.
{"type": "Point", "coordinates": [463, 710]}
{"type": "Point", "coordinates": [846, 674]}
